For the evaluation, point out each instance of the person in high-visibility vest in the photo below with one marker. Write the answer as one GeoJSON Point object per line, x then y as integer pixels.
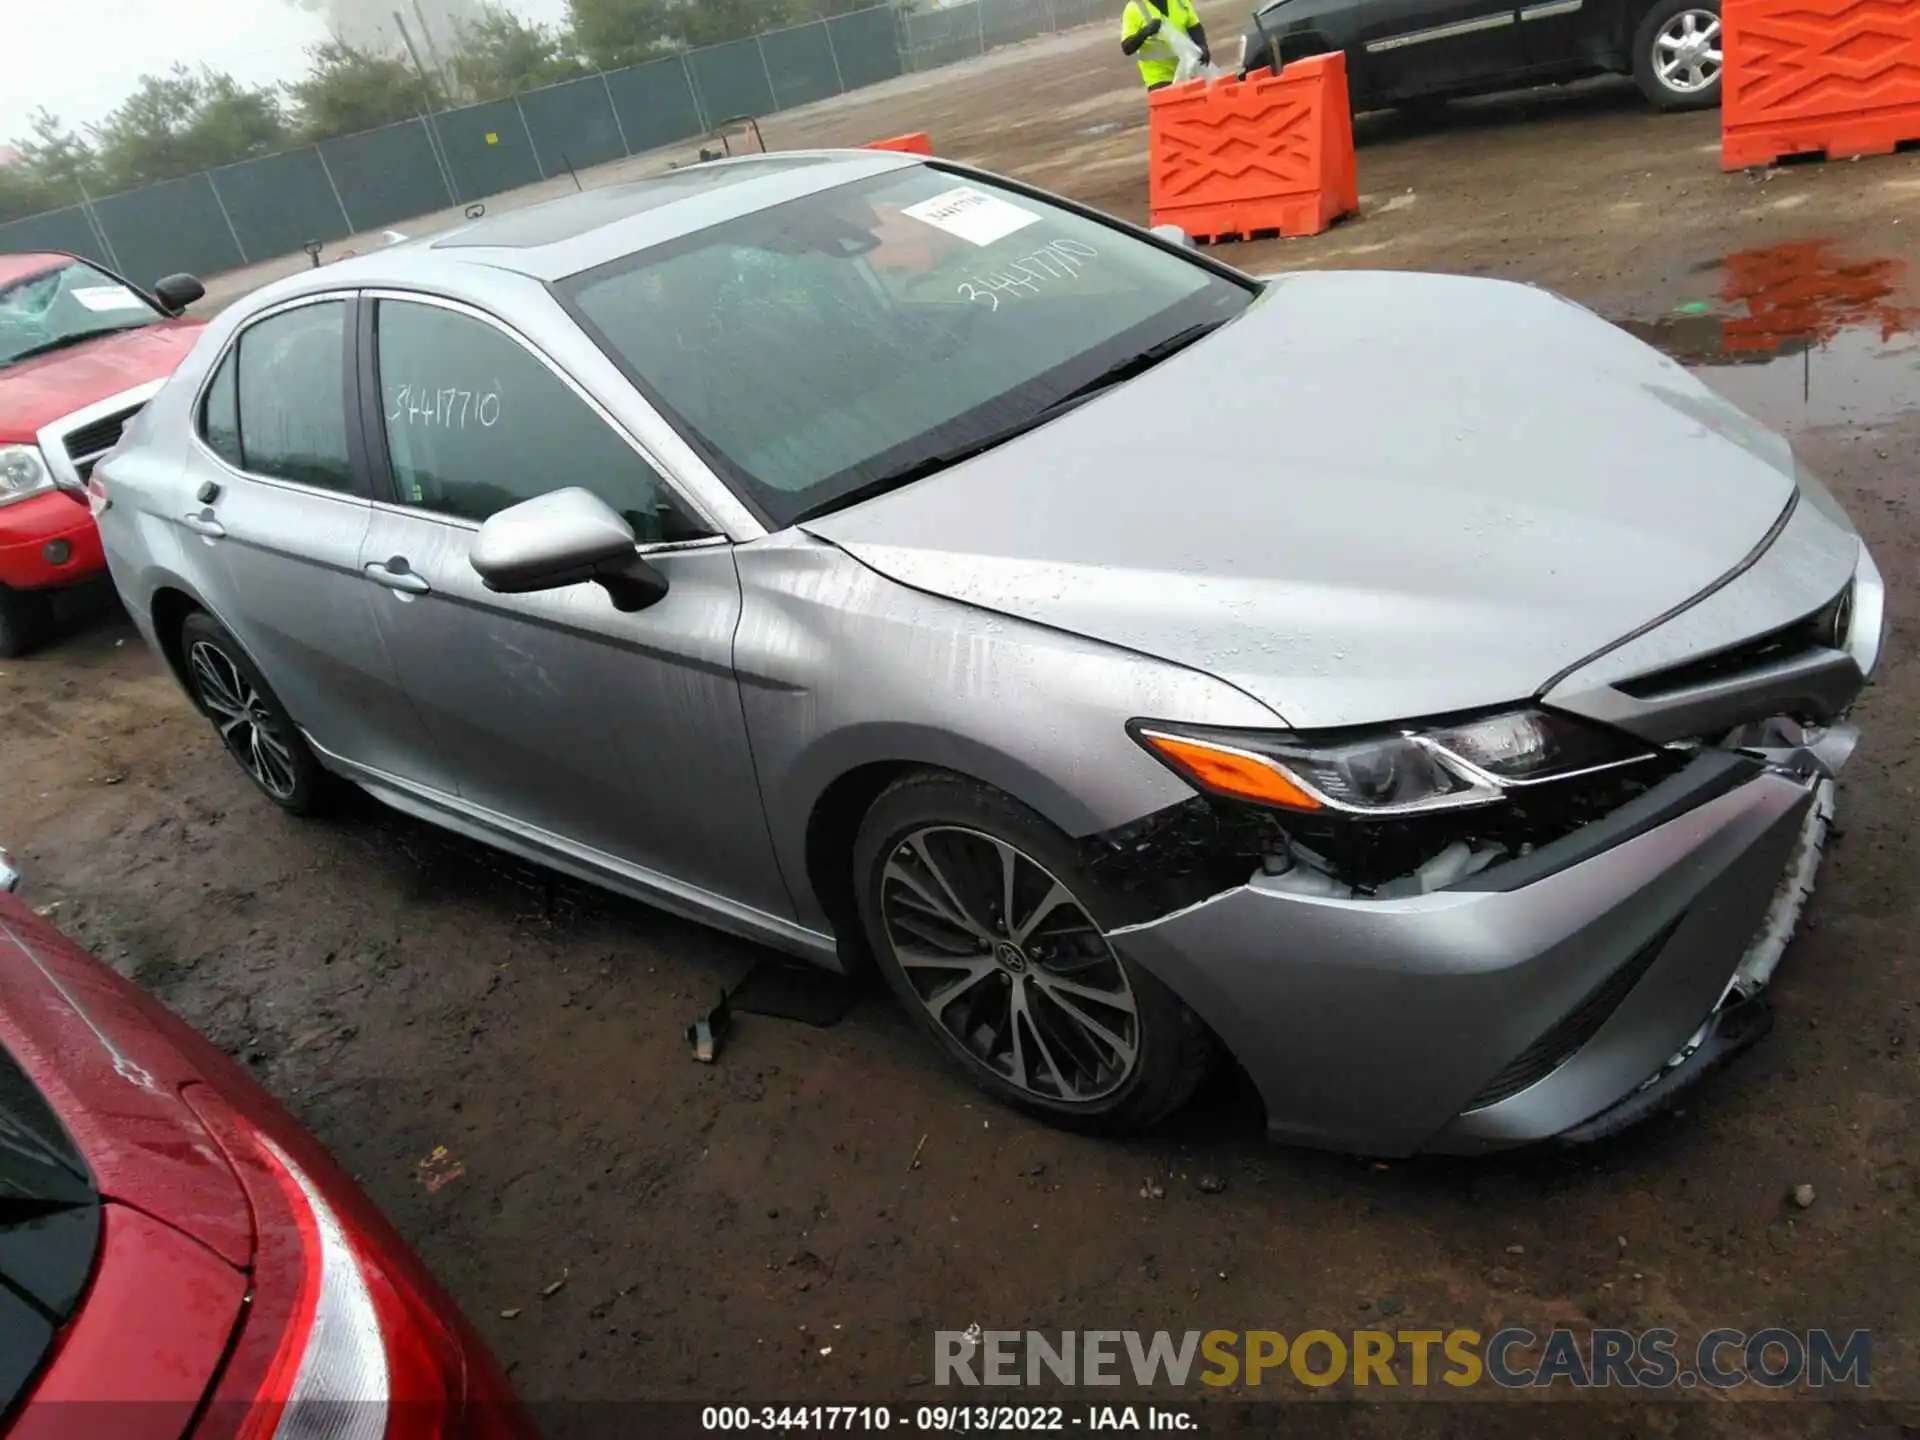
{"type": "Point", "coordinates": [1140, 25]}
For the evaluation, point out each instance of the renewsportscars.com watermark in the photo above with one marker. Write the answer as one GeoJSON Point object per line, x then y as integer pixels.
{"type": "Point", "coordinates": [1512, 1358]}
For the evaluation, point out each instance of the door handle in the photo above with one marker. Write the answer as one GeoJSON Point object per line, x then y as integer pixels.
{"type": "Point", "coordinates": [201, 522]}
{"type": "Point", "coordinates": [396, 574]}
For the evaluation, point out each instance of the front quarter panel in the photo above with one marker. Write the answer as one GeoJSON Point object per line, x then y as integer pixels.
{"type": "Point", "coordinates": [841, 668]}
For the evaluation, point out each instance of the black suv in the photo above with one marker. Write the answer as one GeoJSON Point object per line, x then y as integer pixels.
{"type": "Point", "coordinates": [1415, 53]}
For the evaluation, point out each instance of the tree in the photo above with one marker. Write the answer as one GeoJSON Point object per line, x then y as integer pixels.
{"type": "Point", "coordinates": [183, 121]}
{"type": "Point", "coordinates": [54, 163]}
{"type": "Point", "coordinates": [714, 22]}
{"type": "Point", "coordinates": [613, 33]}
{"type": "Point", "coordinates": [347, 90]}
{"type": "Point", "coordinates": [501, 54]}
{"type": "Point", "coordinates": [55, 155]}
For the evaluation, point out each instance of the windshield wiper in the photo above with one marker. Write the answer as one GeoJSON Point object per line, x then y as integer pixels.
{"type": "Point", "coordinates": [920, 469]}
{"type": "Point", "coordinates": [1133, 365]}
{"type": "Point", "coordinates": [67, 341]}
{"type": "Point", "coordinates": [1113, 375]}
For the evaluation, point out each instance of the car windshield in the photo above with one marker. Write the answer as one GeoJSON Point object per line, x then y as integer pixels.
{"type": "Point", "coordinates": [833, 346]}
{"type": "Point", "coordinates": [66, 303]}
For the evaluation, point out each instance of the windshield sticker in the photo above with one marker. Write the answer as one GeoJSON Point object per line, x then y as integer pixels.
{"type": "Point", "coordinates": [1059, 260]}
{"type": "Point", "coordinates": [972, 214]}
{"type": "Point", "coordinates": [108, 297]}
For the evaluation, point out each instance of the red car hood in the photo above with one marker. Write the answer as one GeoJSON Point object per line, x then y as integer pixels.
{"type": "Point", "coordinates": [38, 391]}
{"type": "Point", "coordinates": [87, 1042]}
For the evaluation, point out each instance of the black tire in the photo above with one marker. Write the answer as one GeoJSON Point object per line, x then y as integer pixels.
{"type": "Point", "coordinates": [26, 617]}
{"type": "Point", "coordinates": [963, 824]}
{"type": "Point", "coordinates": [249, 718]}
{"type": "Point", "coordinates": [1651, 44]}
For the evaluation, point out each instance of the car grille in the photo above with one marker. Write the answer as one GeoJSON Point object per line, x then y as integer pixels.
{"type": "Point", "coordinates": [1576, 1028]}
{"type": "Point", "coordinates": [1826, 629]}
{"type": "Point", "coordinates": [86, 445]}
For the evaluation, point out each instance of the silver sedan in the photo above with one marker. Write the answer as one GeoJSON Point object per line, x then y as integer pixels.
{"type": "Point", "coordinates": [1411, 685]}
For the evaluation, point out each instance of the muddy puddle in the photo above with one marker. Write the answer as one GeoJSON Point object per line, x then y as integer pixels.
{"type": "Point", "coordinates": [1800, 335]}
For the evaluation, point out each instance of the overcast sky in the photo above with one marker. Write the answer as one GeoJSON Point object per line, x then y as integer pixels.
{"type": "Point", "coordinates": [79, 58]}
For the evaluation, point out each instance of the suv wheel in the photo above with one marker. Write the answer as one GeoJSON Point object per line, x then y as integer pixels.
{"type": "Point", "coordinates": [983, 921]}
{"type": "Point", "coordinates": [249, 717]}
{"type": "Point", "coordinates": [25, 618]}
{"type": "Point", "coordinates": [1677, 59]}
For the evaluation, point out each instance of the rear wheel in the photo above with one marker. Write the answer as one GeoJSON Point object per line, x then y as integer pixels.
{"type": "Point", "coordinates": [248, 716]}
{"type": "Point", "coordinates": [984, 923]}
{"type": "Point", "coordinates": [25, 618]}
{"type": "Point", "coordinates": [1677, 59]}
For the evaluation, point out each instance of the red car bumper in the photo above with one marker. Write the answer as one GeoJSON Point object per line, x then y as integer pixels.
{"type": "Point", "coordinates": [47, 541]}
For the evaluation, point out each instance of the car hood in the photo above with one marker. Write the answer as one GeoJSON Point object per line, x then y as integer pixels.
{"type": "Point", "coordinates": [1374, 496]}
{"type": "Point", "coordinates": [39, 391]}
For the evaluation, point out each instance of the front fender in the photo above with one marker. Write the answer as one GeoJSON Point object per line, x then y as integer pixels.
{"type": "Point", "coordinates": [842, 668]}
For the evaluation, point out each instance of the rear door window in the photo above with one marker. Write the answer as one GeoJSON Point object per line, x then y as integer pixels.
{"type": "Point", "coordinates": [277, 406]}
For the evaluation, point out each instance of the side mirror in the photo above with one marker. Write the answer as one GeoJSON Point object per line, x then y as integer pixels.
{"type": "Point", "coordinates": [9, 877]}
{"type": "Point", "coordinates": [566, 538]}
{"type": "Point", "coordinates": [177, 292]}
{"type": "Point", "coordinates": [1174, 235]}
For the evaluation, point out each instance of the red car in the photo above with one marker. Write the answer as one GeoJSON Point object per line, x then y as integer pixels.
{"type": "Point", "coordinates": [81, 350]}
{"type": "Point", "coordinates": [178, 1257]}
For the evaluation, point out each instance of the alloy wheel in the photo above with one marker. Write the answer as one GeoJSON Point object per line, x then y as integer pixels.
{"type": "Point", "coordinates": [1010, 964]}
{"type": "Point", "coordinates": [242, 718]}
{"type": "Point", "coordinates": [1686, 52]}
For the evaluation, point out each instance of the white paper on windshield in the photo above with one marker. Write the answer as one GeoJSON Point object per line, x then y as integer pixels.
{"type": "Point", "coordinates": [972, 214]}
{"type": "Point", "coordinates": [108, 297]}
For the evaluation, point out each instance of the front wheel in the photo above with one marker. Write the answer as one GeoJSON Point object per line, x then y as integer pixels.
{"type": "Point", "coordinates": [1677, 59]}
{"type": "Point", "coordinates": [983, 921]}
{"type": "Point", "coordinates": [25, 618]}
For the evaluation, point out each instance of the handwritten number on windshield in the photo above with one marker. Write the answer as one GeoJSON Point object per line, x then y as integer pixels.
{"type": "Point", "coordinates": [1059, 260]}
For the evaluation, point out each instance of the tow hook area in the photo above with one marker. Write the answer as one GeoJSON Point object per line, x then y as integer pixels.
{"type": "Point", "coordinates": [1743, 1013]}
{"type": "Point", "coordinates": [1795, 749]}
{"type": "Point", "coordinates": [1735, 1025]}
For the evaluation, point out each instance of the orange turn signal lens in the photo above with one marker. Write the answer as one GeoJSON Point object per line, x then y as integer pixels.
{"type": "Point", "coordinates": [1231, 772]}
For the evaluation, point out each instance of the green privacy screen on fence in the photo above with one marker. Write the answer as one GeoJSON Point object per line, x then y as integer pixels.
{"type": "Point", "coordinates": [573, 125]}
{"type": "Point", "coordinates": [279, 203]}
{"type": "Point", "coordinates": [867, 45]}
{"type": "Point", "coordinates": [67, 230]}
{"type": "Point", "coordinates": [800, 65]}
{"type": "Point", "coordinates": [731, 80]}
{"type": "Point", "coordinates": [488, 148]}
{"type": "Point", "coordinates": [388, 175]}
{"type": "Point", "coordinates": [381, 179]}
{"type": "Point", "coordinates": [166, 228]}
{"type": "Point", "coordinates": [655, 104]}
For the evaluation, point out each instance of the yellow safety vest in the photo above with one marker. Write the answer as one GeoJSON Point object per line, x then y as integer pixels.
{"type": "Point", "coordinates": [1158, 64]}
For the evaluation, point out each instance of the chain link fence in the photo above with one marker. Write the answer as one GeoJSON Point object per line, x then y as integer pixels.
{"type": "Point", "coordinates": [260, 209]}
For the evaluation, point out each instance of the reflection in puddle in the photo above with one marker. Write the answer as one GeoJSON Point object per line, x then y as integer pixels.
{"type": "Point", "coordinates": [1808, 337]}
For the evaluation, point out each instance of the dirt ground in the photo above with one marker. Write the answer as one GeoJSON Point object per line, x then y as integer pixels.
{"type": "Point", "coordinates": [757, 1228]}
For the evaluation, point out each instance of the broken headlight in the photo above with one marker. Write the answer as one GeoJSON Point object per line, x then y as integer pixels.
{"type": "Point", "coordinates": [1406, 771]}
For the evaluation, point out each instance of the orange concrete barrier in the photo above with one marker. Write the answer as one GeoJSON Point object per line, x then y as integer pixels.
{"type": "Point", "coordinates": [915, 144]}
{"type": "Point", "coordinates": [1830, 77]}
{"type": "Point", "coordinates": [1242, 159]}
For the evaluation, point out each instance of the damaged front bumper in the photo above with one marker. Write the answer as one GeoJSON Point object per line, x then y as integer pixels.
{"type": "Point", "coordinates": [1565, 993]}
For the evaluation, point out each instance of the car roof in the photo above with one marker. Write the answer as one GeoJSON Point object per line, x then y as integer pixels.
{"type": "Point", "coordinates": [19, 267]}
{"type": "Point", "coordinates": [561, 237]}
